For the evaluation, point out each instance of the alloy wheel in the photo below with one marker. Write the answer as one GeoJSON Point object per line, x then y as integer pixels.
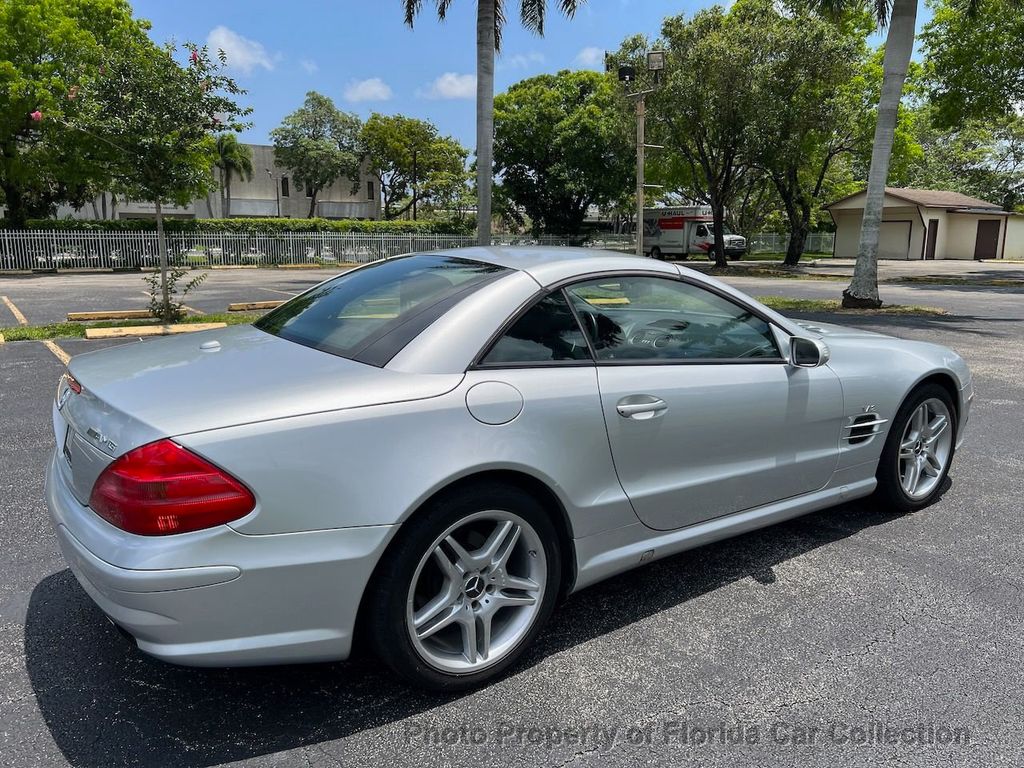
{"type": "Point", "coordinates": [476, 592]}
{"type": "Point", "coordinates": [925, 448]}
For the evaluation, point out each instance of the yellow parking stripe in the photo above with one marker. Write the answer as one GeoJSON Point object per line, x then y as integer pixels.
{"type": "Point", "coordinates": [14, 310]}
{"type": "Point", "coordinates": [57, 351]}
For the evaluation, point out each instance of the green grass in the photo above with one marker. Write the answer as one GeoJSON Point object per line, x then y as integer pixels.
{"type": "Point", "coordinates": [786, 304]}
{"type": "Point", "coordinates": [779, 272]}
{"type": "Point", "coordinates": [773, 256]}
{"type": "Point", "coordinates": [77, 330]}
{"type": "Point", "coordinates": [999, 282]}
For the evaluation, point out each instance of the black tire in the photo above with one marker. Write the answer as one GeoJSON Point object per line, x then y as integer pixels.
{"type": "Point", "coordinates": [656, 253]}
{"type": "Point", "coordinates": [386, 616]}
{"type": "Point", "coordinates": [890, 490]}
{"type": "Point", "coordinates": [734, 256]}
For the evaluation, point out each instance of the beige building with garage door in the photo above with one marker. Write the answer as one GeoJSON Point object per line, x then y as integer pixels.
{"type": "Point", "coordinates": [930, 224]}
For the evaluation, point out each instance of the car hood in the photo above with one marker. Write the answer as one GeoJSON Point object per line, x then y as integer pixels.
{"type": "Point", "coordinates": [830, 331]}
{"type": "Point", "coordinates": [172, 386]}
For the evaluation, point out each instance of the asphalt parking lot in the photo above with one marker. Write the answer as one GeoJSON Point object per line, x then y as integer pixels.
{"type": "Point", "coordinates": [848, 621]}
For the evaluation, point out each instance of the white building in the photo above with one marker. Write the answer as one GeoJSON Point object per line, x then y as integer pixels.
{"type": "Point", "coordinates": [930, 224]}
{"type": "Point", "coordinates": [270, 193]}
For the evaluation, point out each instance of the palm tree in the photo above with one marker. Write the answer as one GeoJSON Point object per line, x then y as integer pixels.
{"type": "Point", "coordinates": [490, 18]}
{"type": "Point", "coordinates": [233, 158]}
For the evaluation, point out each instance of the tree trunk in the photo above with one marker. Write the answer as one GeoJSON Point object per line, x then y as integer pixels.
{"type": "Point", "coordinates": [161, 244]}
{"type": "Point", "coordinates": [17, 213]}
{"type": "Point", "coordinates": [718, 215]}
{"type": "Point", "coordinates": [312, 203]}
{"type": "Point", "coordinates": [899, 44]}
{"type": "Point", "coordinates": [484, 116]}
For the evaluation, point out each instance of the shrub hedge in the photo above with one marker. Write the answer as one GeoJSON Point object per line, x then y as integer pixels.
{"type": "Point", "coordinates": [260, 226]}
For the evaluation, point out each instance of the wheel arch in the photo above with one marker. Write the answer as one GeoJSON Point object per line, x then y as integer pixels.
{"type": "Point", "coordinates": [944, 379]}
{"type": "Point", "coordinates": [533, 485]}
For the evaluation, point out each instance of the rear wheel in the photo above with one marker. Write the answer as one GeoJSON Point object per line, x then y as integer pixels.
{"type": "Point", "coordinates": [466, 588]}
{"type": "Point", "coordinates": [919, 449]}
{"type": "Point", "coordinates": [656, 252]}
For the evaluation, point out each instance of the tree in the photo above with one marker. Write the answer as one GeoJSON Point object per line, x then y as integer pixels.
{"type": "Point", "coordinates": [410, 160]}
{"type": "Point", "coordinates": [562, 143]}
{"type": "Point", "coordinates": [233, 159]}
{"type": "Point", "coordinates": [900, 16]}
{"type": "Point", "coordinates": [156, 118]}
{"type": "Point", "coordinates": [702, 110]}
{"type": "Point", "coordinates": [975, 60]}
{"type": "Point", "coordinates": [805, 108]}
{"type": "Point", "coordinates": [319, 144]}
{"type": "Point", "coordinates": [51, 51]}
{"type": "Point", "coordinates": [490, 17]}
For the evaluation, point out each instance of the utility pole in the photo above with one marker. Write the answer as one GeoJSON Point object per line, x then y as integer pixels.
{"type": "Point", "coordinates": [641, 113]}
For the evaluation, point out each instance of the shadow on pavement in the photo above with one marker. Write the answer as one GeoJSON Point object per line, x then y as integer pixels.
{"type": "Point", "coordinates": [106, 704]}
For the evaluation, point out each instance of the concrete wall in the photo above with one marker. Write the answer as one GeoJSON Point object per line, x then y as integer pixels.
{"type": "Point", "coordinates": [1014, 238]}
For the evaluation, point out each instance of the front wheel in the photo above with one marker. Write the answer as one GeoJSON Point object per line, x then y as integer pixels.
{"type": "Point", "coordinates": [919, 450]}
{"type": "Point", "coordinates": [466, 588]}
{"type": "Point", "coordinates": [656, 253]}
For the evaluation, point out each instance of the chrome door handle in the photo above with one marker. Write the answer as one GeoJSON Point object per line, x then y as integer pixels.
{"type": "Point", "coordinates": [641, 407]}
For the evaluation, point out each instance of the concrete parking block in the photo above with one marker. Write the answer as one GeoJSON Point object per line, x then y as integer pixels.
{"type": "Point", "coordinates": [111, 314]}
{"type": "Point", "coordinates": [150, 330]}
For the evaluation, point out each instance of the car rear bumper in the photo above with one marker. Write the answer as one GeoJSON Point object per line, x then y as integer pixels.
{"type": "Point", "coordinates": [219, 597]}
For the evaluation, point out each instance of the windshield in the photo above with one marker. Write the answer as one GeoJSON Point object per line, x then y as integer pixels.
{"type": "Point", "coordinates": [369, 314]}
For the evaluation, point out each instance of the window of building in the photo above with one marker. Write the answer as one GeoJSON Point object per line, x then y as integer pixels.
{"type": "Point", "coordinates": [369, 190]}
{"type": "Point", "coordinates": [284, 187]}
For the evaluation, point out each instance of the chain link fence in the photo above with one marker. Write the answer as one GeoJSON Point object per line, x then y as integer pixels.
{"type": "Point", "coordinates": [62, 249]}
{"type": "Point", "coordinates": [771, 242]}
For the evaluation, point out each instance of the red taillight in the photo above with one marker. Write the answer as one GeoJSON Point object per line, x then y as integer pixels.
{"type": "Point", "coordinates": [162, 488]}
{"type": "Point", "coordinates": [73, 385]}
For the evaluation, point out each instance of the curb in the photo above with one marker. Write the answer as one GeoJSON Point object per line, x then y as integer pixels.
{"type": "Point", "coordinates": [249, 306]}
{"type": "Point", "coordinates": [111, 314]}
{"type": "Point", "coordinates": [150, 330]}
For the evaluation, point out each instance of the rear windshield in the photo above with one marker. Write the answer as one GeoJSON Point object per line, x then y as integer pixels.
{"type": "Point", "coordinates": [369, 314]}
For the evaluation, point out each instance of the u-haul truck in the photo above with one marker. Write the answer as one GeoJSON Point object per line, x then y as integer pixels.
{"type": "Point", "coordinates": [682, 231]}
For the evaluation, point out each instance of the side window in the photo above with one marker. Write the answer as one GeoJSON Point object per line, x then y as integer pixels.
{"type": "Point", "coordinates": [659, 319]}
{"type": "Point", "coordinates": [702, 231]}
{"type": "Point", "coordinates": [547, 332]}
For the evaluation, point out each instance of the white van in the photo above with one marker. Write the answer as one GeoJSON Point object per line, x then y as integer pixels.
{"type": "Point", "coordinates": [679, 231]}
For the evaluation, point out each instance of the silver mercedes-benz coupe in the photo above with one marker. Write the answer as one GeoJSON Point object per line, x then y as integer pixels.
{"type": "Point", "coordinates": [427, 452]}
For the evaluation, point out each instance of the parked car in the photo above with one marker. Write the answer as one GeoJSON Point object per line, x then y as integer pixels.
{"type": "Point", "coordinates": [430, 450]}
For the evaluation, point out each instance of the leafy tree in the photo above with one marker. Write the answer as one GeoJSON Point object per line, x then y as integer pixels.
{"type": "Point", "coordinates": [805, 107]}
{"type": "Point", "coordinates": [156, 118]}
{"type": "Point", "coordinates": [51, 51]}
{"type": "Point", "coordinates": [490, 18]}
{"type": "Point", "coordinates": [562, 144]}
{"type": "Point", "coordinates": [319, 144]}
{"type": "Point", "coordinates": [411, 161]}
{"type": "Point", "coordinates": [233, 159]}
{"type": "Point", "coordinates": [975, 60]}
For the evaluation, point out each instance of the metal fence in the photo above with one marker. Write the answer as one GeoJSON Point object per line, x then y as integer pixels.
{"type": "Point", "coordinates": [56, 249]}
{"type": "Point", "coordinates": [770, 242]}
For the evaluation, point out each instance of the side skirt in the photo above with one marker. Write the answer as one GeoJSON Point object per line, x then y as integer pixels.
{"type": "Point", "coordinates": [612, 552]}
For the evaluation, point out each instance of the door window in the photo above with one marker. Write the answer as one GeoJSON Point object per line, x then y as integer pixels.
{"type": "Point", "coordinates": [660, 320]}
{"type": "Point", "coordinates": [547, 332]}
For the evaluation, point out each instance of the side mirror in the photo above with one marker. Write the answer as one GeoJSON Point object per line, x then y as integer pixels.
{"type": "Point", "coordinates": [807, 353]}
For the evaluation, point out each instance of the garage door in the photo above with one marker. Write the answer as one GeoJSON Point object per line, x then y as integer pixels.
{"type": "Point", "coordinates": [894, 240]}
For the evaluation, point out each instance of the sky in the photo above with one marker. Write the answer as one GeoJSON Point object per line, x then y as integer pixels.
{"type": "Point", "coordinates": [362, 55]}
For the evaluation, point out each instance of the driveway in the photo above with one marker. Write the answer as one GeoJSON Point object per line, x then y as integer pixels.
{"type": "Point", "coordinates": [849, 637]}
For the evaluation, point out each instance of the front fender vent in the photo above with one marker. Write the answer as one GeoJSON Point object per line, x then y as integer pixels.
{"type": "Point", "coordinates": [863, 427]}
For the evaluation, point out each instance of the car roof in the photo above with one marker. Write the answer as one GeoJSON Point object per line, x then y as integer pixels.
{"type": "Point", "coordinates": [549, 264]}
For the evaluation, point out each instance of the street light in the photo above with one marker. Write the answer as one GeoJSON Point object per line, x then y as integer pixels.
{"type": "Point", "coordinates": [627, 75]}
{"type": "Point", "coordinates": [277, 190]}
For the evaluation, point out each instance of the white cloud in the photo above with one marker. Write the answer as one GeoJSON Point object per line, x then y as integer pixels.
{"type": "Point", "coordinates": [451, 85]}
{"type": "Point", "coordinates": [371, 89]}
{"type": "Point", "coordinates": [310, 66]}
{"type": "Point", "coordinates": [243, 54]}
{"type": "Point", "coordinates": [521, 60]}
{"type": "Point", "coordinates": [590, 57]}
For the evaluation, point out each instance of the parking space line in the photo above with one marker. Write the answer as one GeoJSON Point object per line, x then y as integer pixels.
{"type": "Point", "coordinates": [274, 290]}
{"type": "Point", "coordinates": [59, 353]}
{"type": "Point", "coordinates": [14, 310]}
